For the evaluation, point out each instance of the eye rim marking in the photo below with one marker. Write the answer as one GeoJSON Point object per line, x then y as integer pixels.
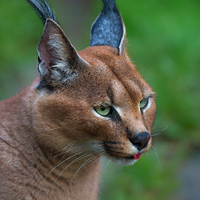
{"type": "Point", "coordinates": [113, 114]}
{"type": "Point", "coordinates": [148, 104]}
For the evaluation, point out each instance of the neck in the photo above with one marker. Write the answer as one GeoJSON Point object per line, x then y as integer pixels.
{"type": "Point", "coordinates": [75, 176]}
{"type": "Point", "coordinates": [66, 174]}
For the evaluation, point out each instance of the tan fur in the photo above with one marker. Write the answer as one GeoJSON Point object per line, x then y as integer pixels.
{"type": "Point", "coordinates": [40, 129]}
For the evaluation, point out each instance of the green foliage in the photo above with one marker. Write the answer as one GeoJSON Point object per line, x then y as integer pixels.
{"type": "Point", "coordinates": [19, 34]}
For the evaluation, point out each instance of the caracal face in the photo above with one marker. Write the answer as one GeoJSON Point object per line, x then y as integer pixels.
{"type": "Point", "coordinates": [108, 109]}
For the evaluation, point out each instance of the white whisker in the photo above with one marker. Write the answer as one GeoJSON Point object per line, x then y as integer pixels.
{"type": "Point", "coordinates": [156, 156]}
{"type": "Point", "coordinates": [76, 160]}
{"type": "Point", "coordinates": [148, 157]}
{"type": "Point", "coordinates": [65, 151]}
{"type": "Point", "coordinates": [85, 163]}
{"type": "Point", "coordinates": [160, 131]}
{"type": "Point", "coordinates": [156, 134]}
{"type": "Point", "coordinates": [93, 148]}
{"type": "Point", "coordinates": [108, 163]}
{"type": "Point", "coordinates": [62, 163]}
{"type": "Point", "coordinates": [165, 128]}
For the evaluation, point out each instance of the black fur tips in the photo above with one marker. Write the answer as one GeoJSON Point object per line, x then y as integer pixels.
{"type": "Point", "coordinates": [42, 9]}
{"type": "Point", "coordinates": [109, 3]}
{"type": "Point", "coordinates": [108, 28]}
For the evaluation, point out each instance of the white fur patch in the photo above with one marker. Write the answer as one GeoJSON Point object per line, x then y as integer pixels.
{"type": "Point", "coordinates": [122, 39]}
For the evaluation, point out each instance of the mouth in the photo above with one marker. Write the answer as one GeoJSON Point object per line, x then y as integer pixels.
{"type": "Point", "coordinates": [128, 160]}
{"type": "Point", "coordinates": [135, 157]}
{"type": "Point", "coordinates": [117, 156]}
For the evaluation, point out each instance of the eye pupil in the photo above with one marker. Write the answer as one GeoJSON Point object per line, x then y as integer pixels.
{"type": "Point", "coordinates": [103, 110]}
{"type": "Point", "coordinates": [143, 103]}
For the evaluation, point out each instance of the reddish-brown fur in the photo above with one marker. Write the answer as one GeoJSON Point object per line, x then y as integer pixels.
{"type": "Point", "coordinates": [37, 124]}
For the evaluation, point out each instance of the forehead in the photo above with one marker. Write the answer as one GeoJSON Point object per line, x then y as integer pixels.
{"type": "Point", "coordinates": [116, 69]}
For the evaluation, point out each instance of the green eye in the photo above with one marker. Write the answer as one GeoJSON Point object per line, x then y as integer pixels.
{"type": "Point", "coordinates": [143, 103]}
{"type": "Point", "coordinates": [103, 110]}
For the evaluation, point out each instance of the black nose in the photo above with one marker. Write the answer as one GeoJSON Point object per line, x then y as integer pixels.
{"type": "Point", "coordinates": [140, 141]}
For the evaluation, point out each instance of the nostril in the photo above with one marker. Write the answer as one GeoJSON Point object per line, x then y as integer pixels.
{"type": "Point", "coordinates": [140, 141]}
{"type": "Point", "coordinates": [138, 145]}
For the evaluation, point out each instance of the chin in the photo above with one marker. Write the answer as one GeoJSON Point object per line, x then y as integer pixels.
{"type": "Point", "coordinates": [123, 161]}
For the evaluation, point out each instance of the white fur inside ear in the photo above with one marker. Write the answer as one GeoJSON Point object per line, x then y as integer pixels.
{"type": "Point", "coordinates": [58, 49]}
{"type": "Point", "coordinates": [58, 59]}
{"type": "Point", "coordinates": [42, 68]}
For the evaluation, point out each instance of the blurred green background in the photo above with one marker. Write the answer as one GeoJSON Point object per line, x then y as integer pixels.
{"type": "Point", "coordinates": [164, 43]}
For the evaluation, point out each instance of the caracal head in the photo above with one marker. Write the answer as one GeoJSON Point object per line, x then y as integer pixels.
{"type": "Point", "coordinates": [94, 99]}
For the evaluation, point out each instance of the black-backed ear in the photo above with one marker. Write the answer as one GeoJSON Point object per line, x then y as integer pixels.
{"type": "Point", "coordinates": [108, 28]}
{"type": "Point", "coordinates": [57, 58]}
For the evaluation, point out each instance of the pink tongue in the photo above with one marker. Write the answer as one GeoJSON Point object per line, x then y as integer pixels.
{"type": "Point", "coordinates": [137, 156]}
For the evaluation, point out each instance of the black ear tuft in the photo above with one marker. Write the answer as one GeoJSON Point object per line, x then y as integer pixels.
{"type": "Point", "coordinates": [43, 10]}
{"type": "Point", "coordinates": [108, 28]}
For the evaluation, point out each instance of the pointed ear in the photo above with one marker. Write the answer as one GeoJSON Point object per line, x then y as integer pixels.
{"type": "Point", "coordinates": [108, 28]}
{"type": "Point", "coordinates": [57, 58]}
